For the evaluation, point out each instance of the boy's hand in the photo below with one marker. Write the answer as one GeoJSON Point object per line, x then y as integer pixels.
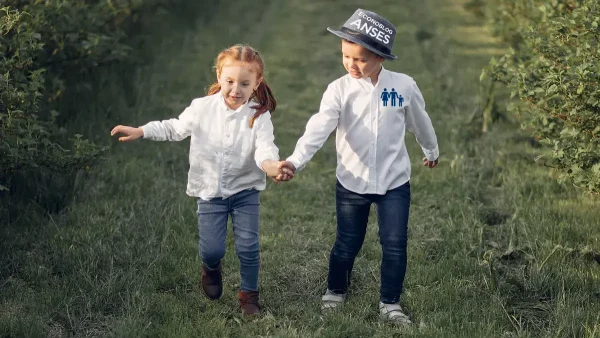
{"type": "Point", "coordinates": [271, 168]}
{"type": "Point", "coordinates": [129, 132]}
{"type": "Point", "coordinates": [288, 166]}
{"type": "Point", "coordinates": [430, 164]}
{"type": "Point", "coordinates": [287, 170]}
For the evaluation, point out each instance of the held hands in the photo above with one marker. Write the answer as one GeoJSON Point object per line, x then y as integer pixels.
{"type": "Point", "coordinates": [430, 164]}
{"type": "Point", "coordinates": [287, 170]}
{"type": "Point", "coordinates": [279, 171]}
{"type": "Point", "coordinates": [130, 133]}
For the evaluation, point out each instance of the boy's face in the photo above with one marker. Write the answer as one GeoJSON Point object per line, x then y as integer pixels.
{"type": "Point", "coordinates": [237, 84]}
{"type": "Point", "coordinates": [359, 61]}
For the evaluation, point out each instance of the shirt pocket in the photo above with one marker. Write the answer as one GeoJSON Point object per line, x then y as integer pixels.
{"type": "Point", "coordinates": [392, 117]}
{"type": "Point", "coordinates": [392, 122]}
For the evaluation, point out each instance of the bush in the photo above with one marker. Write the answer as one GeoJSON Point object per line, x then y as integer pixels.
{"type": "Point", "coordinates": [28, 141]}
{"type": "Point", "coordinates": [553, 67]}
{"type": "Point", "coordinates": [43, 45]}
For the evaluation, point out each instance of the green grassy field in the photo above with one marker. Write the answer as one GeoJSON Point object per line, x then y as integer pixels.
{"type": "Point", "coordinates": [497, 247]}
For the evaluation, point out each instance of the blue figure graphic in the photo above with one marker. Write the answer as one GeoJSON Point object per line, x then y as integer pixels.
{"type": "Point", "coordinates": [393, 96]}
{"type": "Point", "coordinates": [385, 96]}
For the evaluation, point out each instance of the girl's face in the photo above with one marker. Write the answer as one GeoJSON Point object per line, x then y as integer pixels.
{"type": "Point", "coordinates": [238, 82]}
{"type": "Point", "coordinates": [359, 61]}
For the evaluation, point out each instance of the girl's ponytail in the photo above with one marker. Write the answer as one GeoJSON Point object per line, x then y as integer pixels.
{"type": "Point", "coordinates": [265, 99]}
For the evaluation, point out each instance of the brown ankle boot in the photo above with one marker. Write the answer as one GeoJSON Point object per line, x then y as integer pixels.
{"type": "Point", "coordinates": [212, 282]}
{"type": "Point", "coordinates": [249, 303]}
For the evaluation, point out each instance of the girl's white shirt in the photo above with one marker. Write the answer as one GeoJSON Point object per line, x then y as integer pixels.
{"type": "Point", "coordinates": [225, 155]}
{"type": "Point", "coordinates": [371, 152]}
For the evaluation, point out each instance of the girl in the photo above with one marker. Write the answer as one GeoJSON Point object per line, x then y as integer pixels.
{"type": "Point", "coordinates": [231, 149]}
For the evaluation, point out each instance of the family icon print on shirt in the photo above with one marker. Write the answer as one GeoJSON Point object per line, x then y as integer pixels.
{"type": "Point", "coordinates": [392, 97]}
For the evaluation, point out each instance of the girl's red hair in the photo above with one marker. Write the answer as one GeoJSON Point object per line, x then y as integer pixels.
{"type": "Point", "coordinates": [248, 56]}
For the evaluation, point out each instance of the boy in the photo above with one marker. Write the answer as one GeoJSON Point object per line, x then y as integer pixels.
{"type": "Point", "coordinates": [370, 107]}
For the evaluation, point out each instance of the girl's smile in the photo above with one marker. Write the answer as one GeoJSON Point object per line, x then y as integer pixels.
{"type": "Point", "coordinates": [238, 83]}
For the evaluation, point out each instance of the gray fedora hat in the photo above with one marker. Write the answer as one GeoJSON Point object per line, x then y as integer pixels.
{"type": "Point", "coordinates": [369, 30]}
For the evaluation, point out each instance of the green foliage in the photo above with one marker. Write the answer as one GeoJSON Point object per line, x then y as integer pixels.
{"type": "Point", "coordinates": [553, 67]}
{"type": "Point", "coordinates": [76, 36]}
{"type": "Point", "coordinates": [47, 47]}
{"type": "Point", "coordinates": [28, 140]}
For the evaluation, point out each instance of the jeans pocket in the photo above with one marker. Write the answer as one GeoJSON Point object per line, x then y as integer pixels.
{"type": "Point", "coordinates": [203, 205]}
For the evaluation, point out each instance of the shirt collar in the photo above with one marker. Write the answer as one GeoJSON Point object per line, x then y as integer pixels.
{"type": "Point", "coordinates": [366, 81]}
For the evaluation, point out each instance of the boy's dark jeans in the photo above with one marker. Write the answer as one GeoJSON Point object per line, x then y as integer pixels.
{"type": "Point", "coordinates": [352, 214]}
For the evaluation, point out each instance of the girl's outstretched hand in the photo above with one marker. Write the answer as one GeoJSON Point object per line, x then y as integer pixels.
{"type": "Point", "coordinates": [130, 133]}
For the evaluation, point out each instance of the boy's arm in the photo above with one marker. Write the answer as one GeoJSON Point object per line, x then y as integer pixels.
{"type": "Point", "coordinates": [172, 129]}
{"type": "Point", "coordinates": [419, 123]}
{"type": "Point", "coordinates": [318, 128]}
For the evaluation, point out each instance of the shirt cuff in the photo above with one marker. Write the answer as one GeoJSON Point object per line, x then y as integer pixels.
{"type": "Point", "coordinates": [146, 132]}
{"type": "Point", "coordinates": [296, 163]}
{"type": "Point", "coordinates": [433, 154]}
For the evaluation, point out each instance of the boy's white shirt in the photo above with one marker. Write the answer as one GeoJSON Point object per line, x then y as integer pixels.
{"type": "Point", "coordinates": [225, 155]}
{"type": "Point", "coordinates": [371, 152]}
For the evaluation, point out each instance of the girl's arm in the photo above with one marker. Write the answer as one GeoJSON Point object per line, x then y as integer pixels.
{"type": "Point", "coordinates": [419, 123]}
{"type": "Point", "coordinates": [172, 129]}
{"type": "Point", "coordinates": [266, 154]}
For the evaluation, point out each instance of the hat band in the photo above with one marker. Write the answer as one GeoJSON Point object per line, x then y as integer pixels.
{"type": "Point", "coordinates": [366, 39]}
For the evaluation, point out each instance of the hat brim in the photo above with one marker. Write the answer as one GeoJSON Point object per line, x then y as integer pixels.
{"type": "Point", "coordinates": [362, 43]}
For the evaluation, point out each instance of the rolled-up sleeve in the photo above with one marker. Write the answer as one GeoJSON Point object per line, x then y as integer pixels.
{"type": "Point", "coordinates": [173, 129]}
{"type": "Point", "coordinates": [265, 140]}
{"type": "Point", "coordinates": [318, 128]}
{"type": "Point", "coordinates": [419, 123]}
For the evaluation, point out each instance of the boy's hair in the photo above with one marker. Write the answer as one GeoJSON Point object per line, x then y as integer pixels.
{"type": "Point", "coordinates": [249, 57]}
{"type": "Point", "coordinates": [354, 43]}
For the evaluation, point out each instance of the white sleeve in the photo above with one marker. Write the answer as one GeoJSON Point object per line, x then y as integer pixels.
{"type": "Point", "coordinates": [172, 129]}
{"type": "Point", "coordinates": [265, 140]}
{"type": "Point", "coordinates": [419, 123]}
{"type": "Point", "coordinates": [318, 128]}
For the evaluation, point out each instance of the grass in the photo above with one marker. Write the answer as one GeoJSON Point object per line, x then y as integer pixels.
{"type": "Point", "coordinates": [497, 247]}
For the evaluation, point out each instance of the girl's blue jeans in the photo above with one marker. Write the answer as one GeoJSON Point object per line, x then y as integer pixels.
{"type": "Point", "coordinates": [352, 215]}
{"type": "Point", "coordinates": [212, 228]}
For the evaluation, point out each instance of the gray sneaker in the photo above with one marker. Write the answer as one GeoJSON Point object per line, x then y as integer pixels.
{"type": "Point", "coordinates": [332, 300]}
{"type": "Point", "coordinates": [393, 313]}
